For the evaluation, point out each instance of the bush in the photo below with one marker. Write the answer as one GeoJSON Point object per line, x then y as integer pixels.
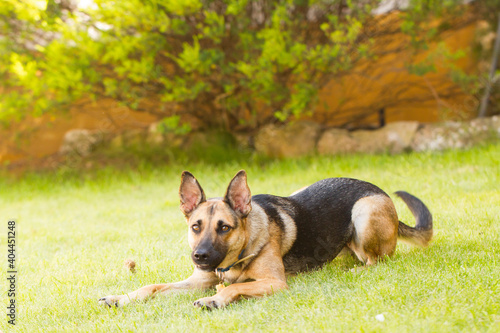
{"type": "Point", "coordinates": [231, 64]}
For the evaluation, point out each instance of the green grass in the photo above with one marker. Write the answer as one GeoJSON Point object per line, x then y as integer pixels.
{"type": "Point", "coordinates": [76, 231]}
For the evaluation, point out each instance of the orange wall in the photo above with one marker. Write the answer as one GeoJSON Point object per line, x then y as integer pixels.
{"type": "Point", "coordinates": [43, 136]}
{"type": "Point", "coordinates": [384, 83]}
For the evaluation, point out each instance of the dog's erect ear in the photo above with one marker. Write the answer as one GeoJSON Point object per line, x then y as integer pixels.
{"type": "Point", "coordinates": [191, 193]}
{"type": "Point", "coordinates": [238, 194]}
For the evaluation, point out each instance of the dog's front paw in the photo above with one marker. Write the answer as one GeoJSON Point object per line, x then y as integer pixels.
{"type": "Point", "coordinates": [115, 300]}
{"type": "Point", "coordinates": [210, 303]}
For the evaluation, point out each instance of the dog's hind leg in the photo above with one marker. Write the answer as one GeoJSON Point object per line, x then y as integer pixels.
{"type": "Point", "coordinates": [376, 228]}
{"type": "Point", "coordinates": [346, 252]}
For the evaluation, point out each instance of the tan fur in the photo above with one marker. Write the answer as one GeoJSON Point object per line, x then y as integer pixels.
{"type": "Point", "coordinates": [288, 238]}
{"type": "Point", "coordinates": [376, 228]}
{"type": "Point", "coordinates": [410, 236]}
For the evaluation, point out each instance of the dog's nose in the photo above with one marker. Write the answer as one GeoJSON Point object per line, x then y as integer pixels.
{"type": "Point", "coordinates": [200, 255]}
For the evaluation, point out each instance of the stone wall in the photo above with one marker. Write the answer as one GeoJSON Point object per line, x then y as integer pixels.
{"type": "Point", "coordinates": [307, 138]}
{"type": "Point", "coordinates": [396, 137]}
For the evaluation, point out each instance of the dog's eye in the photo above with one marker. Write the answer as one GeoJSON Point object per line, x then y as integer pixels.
{"type": "Point", "coordinates": [225, 228]}
{"type": "Point", "coordinates": [195, 227]}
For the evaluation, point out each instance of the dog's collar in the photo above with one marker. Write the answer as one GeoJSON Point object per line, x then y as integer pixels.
{"type": "Point", "coordinates": [221, 270]}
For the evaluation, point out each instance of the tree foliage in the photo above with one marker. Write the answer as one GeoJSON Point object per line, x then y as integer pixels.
{"type": "Point", "coordinates": [227, 63]}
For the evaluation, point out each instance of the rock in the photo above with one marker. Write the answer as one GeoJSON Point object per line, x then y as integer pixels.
{"type": "Point", "coordinates": [291, 140]}
{"type": "Point", "coordinates": [484, 130]}
{"type": "Point", "coordinates": [480, 130]}
{"type": "Point", "coordinates": [394, 138]}
{"type": "Point", "coordinates": [495, 125]}
{"type": "Point", "coordinates": [457, 135]}
{"type": "Point", "coordinates": [370, 141]}
{"type": "Point", "coordinates": [400, 135]}
{"type": "Point", "coordinates": [82, 141]}
{"type": "Point", "coordinates": [436, 137]}
{"type": "Point", "coordinates": [336, 141]}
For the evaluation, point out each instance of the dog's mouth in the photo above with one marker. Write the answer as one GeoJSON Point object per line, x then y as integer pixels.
{"type": "Point", "coordinates": [206, 267]}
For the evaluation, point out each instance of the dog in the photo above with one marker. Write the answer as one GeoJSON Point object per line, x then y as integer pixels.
{"type": "Point", "coordinates": [253, 242]}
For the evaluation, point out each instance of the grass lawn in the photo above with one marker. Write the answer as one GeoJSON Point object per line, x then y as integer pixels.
{"type": "Point", "coordinates": [74, 233]}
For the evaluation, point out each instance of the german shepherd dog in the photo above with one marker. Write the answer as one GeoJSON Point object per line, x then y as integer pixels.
{"type": "Point", "coordinates": [251, 242]}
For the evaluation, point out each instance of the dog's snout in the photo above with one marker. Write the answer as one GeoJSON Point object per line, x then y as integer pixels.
{"type": "Point", "coordinates": [206, 257]}
{"type": "Point", "coordinates": [201, 255]}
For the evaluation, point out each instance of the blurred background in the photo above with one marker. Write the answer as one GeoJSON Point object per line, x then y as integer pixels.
{"type": "Point", "coordinates": [114, 76]}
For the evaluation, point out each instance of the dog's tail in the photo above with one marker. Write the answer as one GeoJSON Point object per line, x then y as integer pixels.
{"type": "Point", "coordinates": [422, 233]}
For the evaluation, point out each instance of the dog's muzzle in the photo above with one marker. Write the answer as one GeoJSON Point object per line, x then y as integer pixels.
{"type": "Point", "coordinates": [206, 258]}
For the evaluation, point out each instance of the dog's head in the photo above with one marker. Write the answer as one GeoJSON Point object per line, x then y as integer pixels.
{"type": "Point", "coordinates": [217, 227]}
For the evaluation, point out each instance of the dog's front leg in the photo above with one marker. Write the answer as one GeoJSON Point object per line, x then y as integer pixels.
{"type": "Point", "coordinates": [199, 280]}
{"type": "Point", "coordinates": [235, 291]}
